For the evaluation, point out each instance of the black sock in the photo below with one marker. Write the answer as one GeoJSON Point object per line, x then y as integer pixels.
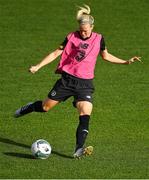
{"type": "Point", "coordinates": [36, 106]}
{"type": "Point", "coordinates": [82, 131]}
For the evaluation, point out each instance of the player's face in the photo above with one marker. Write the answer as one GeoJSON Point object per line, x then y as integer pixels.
{"type": "Point", "coordinates": [86, 30]}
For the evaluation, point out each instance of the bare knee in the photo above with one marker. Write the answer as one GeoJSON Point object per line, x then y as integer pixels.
{"type": "Point", "coordinates": [84, 108]}
{"type": "Point", "coordinates": [45, 108]}
{"type": "Point", "coordinates": [48, 104]}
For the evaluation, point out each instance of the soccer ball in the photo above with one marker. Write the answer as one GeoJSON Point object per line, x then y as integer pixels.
{"type": "Point", "coordinates": [41, 149]}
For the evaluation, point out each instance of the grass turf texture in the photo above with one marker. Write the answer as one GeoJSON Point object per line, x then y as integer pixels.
{"type": "Point", "coordinates": [29, 30]}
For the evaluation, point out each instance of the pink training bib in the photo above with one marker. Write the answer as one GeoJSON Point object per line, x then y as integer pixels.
{"type": "Point", "coordinates": [79, 56]}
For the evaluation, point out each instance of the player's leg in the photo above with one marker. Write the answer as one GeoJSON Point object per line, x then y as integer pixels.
{"type": "Point", "coordinates": [57, 94]}
{"type": "Point", "coordinates": [84, 109]}
{"type": "Point", "coordinates": [38, 106]}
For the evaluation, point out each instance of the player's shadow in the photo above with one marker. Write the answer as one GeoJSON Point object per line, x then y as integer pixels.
{"type": "Point", "coordinates": [8, 141]}
{"type": "Point", "coordinates": [14, 154]}
{"type": "Point", "coordinates": [20, 155]}
{"type": "Point", "coordinates": [23, 155]}
{"type": "Point", "coordinates": [62, 155]}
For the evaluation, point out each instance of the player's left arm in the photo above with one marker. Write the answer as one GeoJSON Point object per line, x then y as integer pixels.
{"type": "Point", "coordinates": [113, 59]}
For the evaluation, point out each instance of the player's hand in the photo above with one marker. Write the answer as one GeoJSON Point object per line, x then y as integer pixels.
{"type": "Point", "coordinates": [135, 58]}
{"type": "Point", "coordinates": [33, 69]}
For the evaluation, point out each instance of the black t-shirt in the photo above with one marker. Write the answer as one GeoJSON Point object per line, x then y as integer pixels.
{"type": "Point", "coordinates": [102, 44]}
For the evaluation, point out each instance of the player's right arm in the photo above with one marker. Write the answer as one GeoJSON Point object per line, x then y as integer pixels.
{"type": "Point", "coordinates": [48, 59]}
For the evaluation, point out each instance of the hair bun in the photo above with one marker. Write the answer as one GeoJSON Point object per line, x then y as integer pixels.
{"type": "Point", "coordinates": [83, 15]}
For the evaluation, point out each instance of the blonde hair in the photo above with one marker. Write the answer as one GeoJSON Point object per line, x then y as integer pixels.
{"type": "Point", "coordinates": [83, 15]}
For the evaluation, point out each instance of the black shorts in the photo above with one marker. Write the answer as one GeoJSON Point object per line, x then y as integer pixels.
{"type": "Point", "coordinates": [68, 85]}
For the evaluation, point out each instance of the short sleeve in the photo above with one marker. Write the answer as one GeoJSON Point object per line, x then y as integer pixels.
{"type": "Point", "coordinates": [63, 44]}
{"type": "Point", "coordinates": [102, 44]}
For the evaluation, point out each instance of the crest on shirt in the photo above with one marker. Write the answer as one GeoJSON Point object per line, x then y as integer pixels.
{"type": "Point", "coordinates": [81, 51]}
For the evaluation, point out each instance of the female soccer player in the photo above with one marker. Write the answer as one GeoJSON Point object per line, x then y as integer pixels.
{"type": "Point", "coordinates": [78, 52]}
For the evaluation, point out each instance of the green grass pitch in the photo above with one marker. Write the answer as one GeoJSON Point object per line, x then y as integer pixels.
{"type": "Point", "coordinates": [119, 128]}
